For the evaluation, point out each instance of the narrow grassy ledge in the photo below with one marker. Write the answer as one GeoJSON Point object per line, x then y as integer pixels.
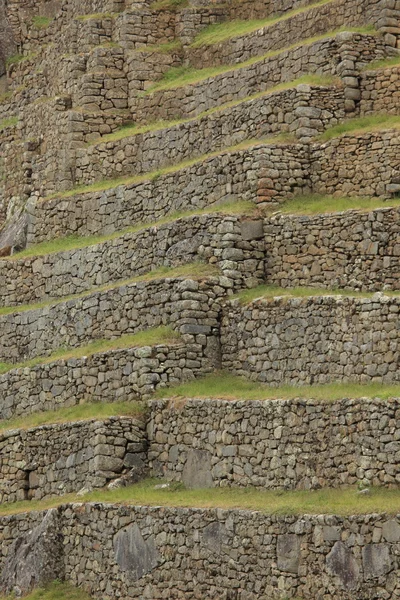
{"type": "Point", "coordinates": [225, 386]}
{"type": "Point", "coordinates": [130, 130]}
{"type": "Point", "coordinates": [54, 591]}
{"type": "Point", "coordinates": [90, 16]}
{"type": "Point", "coordinates": [316, 204]}
{"type": "Point", "coordinates": [326, 501]}
{"type": "Point", "coordinates": [270, 291]}
{"type": "Point", "coordinates": [172, 5]}
{"type": "Point", "coordinates": [149, 337]}
{"type": "Point", "coordinates": [108, 184]}
{"type": "Point", "coordinates": [80, 412]}
{"type": "Point", "coordinates": [359, 125]}
{"type": "Point", "coordinates": [193, 270]}
{"type": "Point", "coordinates": [41, 22]}
{"type": "Point", "coordinates": [220, 32]}
{"type": "Point", "coordinates": [386, 63]}
{"type": "Point", "coordinates": [75, 242]}
{"type": "Point", "coordinates": [177, 77]}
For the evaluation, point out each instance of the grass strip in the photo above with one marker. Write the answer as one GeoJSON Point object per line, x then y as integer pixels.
{"type": "Point", "coordinates": [80, 412]}
{"type": "Point", "coordinates": [75, 242]}
{"type": "Point", "coordinates": [385, 63]}
{"type": "Point", "coordinates": [136, 129]}
{"type": "Point", "coordinates": [54, 591]}
{"type": "Point", "coordinates": [195, 270]}
{"type": "Point", "coordinates": [225, 386]}
{"type": "Point", "coordinates": [107, 184]}
{"type": "Point", "coordinates": [271, 291]}
{"type": "Point", "coordinates": [181, 76]}
{"type": "Point", "coordinates": [149, 337]}
{"type": "Point", "coordinates": [325, 501]}
{"type": "Point", "coordinates": [359, 125]}
{"type": "Point", "coordinates": [11, 122]}
{"type": "Point", "coordinates": [318, 204]}
{"type": "Point", "coordinates": [220, 32]}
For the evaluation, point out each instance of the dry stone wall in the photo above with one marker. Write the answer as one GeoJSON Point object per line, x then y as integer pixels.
{"type": "Point", "coordinates": [58, 459]}
{"type": "Point", "coordinates": [304, 111]}
{"type": "Point", "coordinates": [116, 375]}
{"type": "Point", "coordinates": [324, 57]}
{"type": "Point", "coordinates": [287, 444]}
{"type": "Point", "coordinates": [236, 246]}
{"type": "Point", "coordinates": [247, 553]}
{"type": "Point", "coordinates": [354, 249]}
{"type": "Point", "coordinates": [380, 91]}
{"type": "Point", "coordinates": [108, 314]}
{"type": "Point", "coordinates": [312, 340]}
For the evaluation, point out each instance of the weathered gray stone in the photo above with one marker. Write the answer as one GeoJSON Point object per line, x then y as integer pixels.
{"type": "Point", "coordinates": [376, 560]}
{"type": "Point", "coordinates": [133, 554]}
{"type": "Point", "coordinates": [391, 531]}
{"type": "Point", "coordinates": [288, 552]}
{"type": "Point", "coordinates": [35, 558]}
{"type": "Point", "coordinates": [197, 470]}
{"type": "Point", "coordinates": [341, 562]}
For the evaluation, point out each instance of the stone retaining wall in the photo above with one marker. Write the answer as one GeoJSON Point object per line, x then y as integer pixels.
{"type": "Point", "coordinates": [324, 57]}
{"type": "Point", "coordinates": [380, 91]}
{"type": "Point", "coordinates": [313, 340]}
{"type": "Point", "coordinates": [263, 172]}
{"type": "Point", "coordinates": [236, 246]}
{"type": "Point", "coordinates": [108, 314]}
{"type": "Point", "coordinates": [214, 553]}
{"type": "Point", "coordinates": [58, 459]}
{"type": "Point", "coordinates": [363, 164]}
{"type": "Point", "coordinates": [354, 250]}
{"type": "Point", "coordinates": [116, 375]}
{"type": "Point", "coordinates": [292, 444]}
{"type": "Point", "coordinates": [304, 111]}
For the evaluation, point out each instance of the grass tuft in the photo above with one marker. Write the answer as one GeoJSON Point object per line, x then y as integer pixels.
{"type": "Point", "coordinates": [41, 22]}
{"type": "Point", "coordinates": [385, 63]}
{"type": "Point", "coordinates": [55, 591]}
{"type": "Point", "coordinates": [225, 386]}
{"type": "Point", "coordinates": [173, 5]}
{"type": "Point", "coordinates": [11, 122]}
{"type": "Point", "coordinates": [371, 123]}
{"type": "Point", "coordinates": [15, 59]}
{"type": "Point", "coordinates": [149, 337]}
{"type": "Point", "coordinates": [315, 204]}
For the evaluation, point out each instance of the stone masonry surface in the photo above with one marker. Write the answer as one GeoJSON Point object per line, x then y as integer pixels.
{"type": "Point", "coordinates": [58, 459]}
{"type": "Point", "coordinates": [109, 314]}
{"type": "Point", "coordinates": [193, 553]}
{"type": "Point", "coordinates": [116, 375]}
{"type": "Point", "coordinates": [312, 340]}
{"type": "Point", "coordinates": [301, 444]}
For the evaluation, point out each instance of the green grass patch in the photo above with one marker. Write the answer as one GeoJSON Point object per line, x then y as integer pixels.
{"type": "Point", "coordinates": [54, 591]}
{"type": "Point", "coordinates": [129, 130]}
{"type": "Point", "coordinates": [314, 204]}
{"type": "Point", "coordinates": [166, 48]}
{"type": "Point", "coordinates": [220, 32]}
{"type": "Point", "coordinates": [108, 184]}
{"type": "Point", "coordinates": [149, 337]}
{"type": "Point", "coordinates": [225, 386]}
{"type": "Point", "coordinates": [11, 122]}
{"type": "Point", "coordinates": [385, 63]}
{"type": "Point", "coordinates": [75, 242]}
{"type": "Point", "coordinates": [91, 16]}
{"type": "Point", "coordinates": [360, 125]}
{"type": "Point", "coordinates": [15, 59]}
{"type": "Point", "coordinates": [5, 97]}
{"type": "Point", "coordinates": [271, 291]}
{"type": "Point", "coordinates": [41, 22]}
{"type": "Point", "coordinates": [80, 412]}
{"type": "Point", "coordinates": [326, 501]}
{"type": "Point", "coordinates": [195, 270]}
{"type": "Point", "coordinates": [173, 5]}
{"type": "Point", "coordinates": [181, 76]}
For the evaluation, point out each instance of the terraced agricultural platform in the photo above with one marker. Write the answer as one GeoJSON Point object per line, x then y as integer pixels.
{"type": "Point", "coordinates": [200, 299]}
